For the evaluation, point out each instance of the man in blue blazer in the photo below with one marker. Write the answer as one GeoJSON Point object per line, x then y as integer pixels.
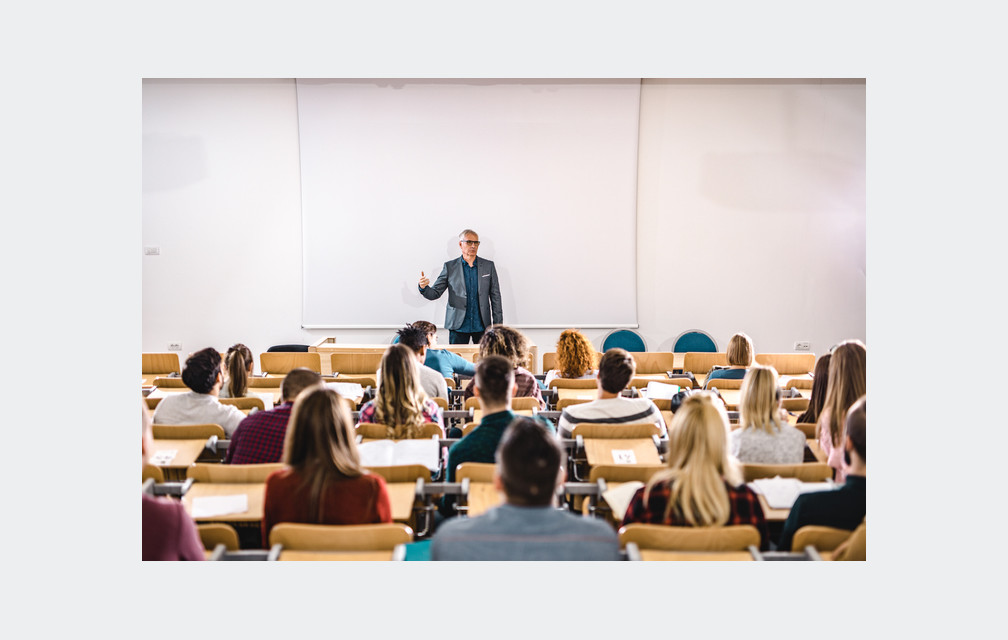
{"type": "Point", "coordinates": [474, 300]}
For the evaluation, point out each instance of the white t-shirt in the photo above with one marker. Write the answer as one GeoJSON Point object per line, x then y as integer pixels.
{"type": "Point", "coordinates": [190, 407]}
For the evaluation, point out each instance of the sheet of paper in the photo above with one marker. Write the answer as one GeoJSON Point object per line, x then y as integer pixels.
{"type": "Point", "coordinates": [387, 453]}
{"type": "Point", "coordinates": [346, 389]}
{"type": "Point", "coordinates": [660, 390]}
{"type": "Point", "coordinates": [618, 498]}
{"type": "Point", "coordinates": [780, 493]}
{"type": "Point", "coordinates": [210, 506]}
{"type": "Point", "coordinates": [624, 456]}
{"type": "Point", "coordinates": [163, 457]}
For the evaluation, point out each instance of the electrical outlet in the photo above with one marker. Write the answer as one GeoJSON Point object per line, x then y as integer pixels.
{"type": "Point", "coordinates": [152, 251]}
{"type": "Point", "coordinates": [174, 346]}
{"type": "Point", "coordinates": [802, 346]}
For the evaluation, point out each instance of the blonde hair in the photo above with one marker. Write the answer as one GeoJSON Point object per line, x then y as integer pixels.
{"type": "Point", "coordinates": [575, 354]}
{"type": "Point", "coordinates": [698, 463]}
{"type": "Point", "coordinates": [740, 350]}
{"type": "Point", "coordinates": [320, 444]}
{"type": "Point", "coordinates": [759, 404]}
{"type": "Point", "coordinates": [400, 399]}
{"type": "Point", "coordinates": [847, 382]}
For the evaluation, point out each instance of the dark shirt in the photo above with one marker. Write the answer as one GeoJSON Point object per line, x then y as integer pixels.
{"type": "Point", "coordinates": [259, 438]}
{"type": "Point", "coordinates": [727, 374]}
{"type": "Point", "coordinates": [168, 531]}
{"type": "Point", "coordinates": [526, 385]}
{"type": "Point", "coordinates": [745, 509]}
{"type": "Point", "coordinates": [842, 508]}
{"type": "Point", "coordinates": [473, 323]}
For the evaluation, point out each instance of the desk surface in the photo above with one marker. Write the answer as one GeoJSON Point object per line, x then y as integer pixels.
{"type": "Point", "coordinates": [600, 450]}
{"type": "Point", "coordinates": [483, 496]}
{"type": "Point", "coordinates": [254, 491]}
{"type": "Point", "coordinates": [402, 495]}
{"type": "Point", "coordinates": [186, 453]}
{"type": "Point", "coordinates": [334, 555]}
{"type": "Point", "coordinates": [659, 554]}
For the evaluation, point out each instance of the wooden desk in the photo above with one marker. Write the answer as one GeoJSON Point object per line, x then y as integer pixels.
{"type": "Point", "coordinates": [186, 453]}
{"type": "Point", "coordinates": [599, 450]}
{"type": "Point", "coordinates": [483, 496]}
{"type": "Point", "coordinates": [577, 394]}
{"type": "Point", "coordinates": [817, 451]}
{"type": "Point", "coordinates": [662, 555]}
{"type": "Point", "coordinates": [328, 346]}
{"type": "Point", "coordinates": [296, 555]}
{"type": "Point", "coordinates": [402, 495]}
{"type": "Point", "coordinates": [254, 491]}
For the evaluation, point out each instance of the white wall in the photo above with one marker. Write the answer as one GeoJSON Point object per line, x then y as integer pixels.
{"type": "Point", "coordinates": [751, 215]}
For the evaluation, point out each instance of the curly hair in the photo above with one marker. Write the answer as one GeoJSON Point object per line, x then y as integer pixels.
{"type": "Point", "coordinates": [501, 340]}
{"type": "Point", "coordinates": [575, 354]}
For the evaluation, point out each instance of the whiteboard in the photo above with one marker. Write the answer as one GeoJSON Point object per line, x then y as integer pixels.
{"type": "Point", "coordinates": [545, 171]}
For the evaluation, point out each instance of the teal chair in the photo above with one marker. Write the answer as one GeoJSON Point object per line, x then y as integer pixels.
{"type": "Point", "coordinates": [694, 340]}
{"type": "Point", "coordinates": [624, 339]}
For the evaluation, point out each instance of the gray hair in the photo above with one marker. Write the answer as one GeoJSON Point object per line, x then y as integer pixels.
{"type": "Point", "coordinates": [466, 232]}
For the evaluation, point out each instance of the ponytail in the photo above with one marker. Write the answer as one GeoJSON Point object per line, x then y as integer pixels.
{"type": "Point", "coordinates": [238, 362]}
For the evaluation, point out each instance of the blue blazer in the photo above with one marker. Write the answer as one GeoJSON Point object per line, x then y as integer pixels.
{"type": "Point", "coordinates": [451, 278]}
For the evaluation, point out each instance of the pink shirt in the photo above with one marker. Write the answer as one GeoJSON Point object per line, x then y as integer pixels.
{"type": "Point", "coordinates": [834, 455]}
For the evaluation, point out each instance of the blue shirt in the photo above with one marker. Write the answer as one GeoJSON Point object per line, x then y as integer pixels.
{"type": "Point", "coordinates": [448, 363]}
{"type": "Point", "coordinates": [473, 323]}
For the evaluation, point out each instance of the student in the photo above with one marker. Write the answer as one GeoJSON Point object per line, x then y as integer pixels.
{"type": "Point", "coordinates": [820, 379]}
{"type": "Point", "coordinates": [431, 380]}
{"type": "Point", "coordinates": [575, 358]}
{"type": "Point", "coordinates": [528, 526]}
{"type": "Point", "coordinates": [238, 364]}
{"type": "Point", "coordinates": [400, 403]}
{"type": "Point", "coordinates": [842, 508]}
{"type": "Point", "coordinates": [447, 362]}
{"type": "Point", "coordinates": [740, 357]}
{"type": "Point", "coordinates": [323, 482]}
{"type": "Point", "coordinates": [202, 374]}
{"type": "Point", "coordinates": [501, 340]}
{"type": "Point", "coordinates": [168, 533]}
{"type": "Point", "coordinates": [702, 487]}
{"type": "Point", "coordinates": [763, 436]}
{"type": "Point", "coordinates": [847, 383]}
{"type": "Point", "coordinates": [616, 369]}
{"type": "Point", "coordinates": [259, 438]}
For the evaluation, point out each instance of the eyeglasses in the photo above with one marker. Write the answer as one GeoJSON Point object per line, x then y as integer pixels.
{"type": "Point", "coordinates": [474, 243]}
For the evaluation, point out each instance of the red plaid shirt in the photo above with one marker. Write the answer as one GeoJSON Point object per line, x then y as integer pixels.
{"type": "Point", "coordinates": [259, 438]}
{"type": "Point", "coordinates": [745, 509]}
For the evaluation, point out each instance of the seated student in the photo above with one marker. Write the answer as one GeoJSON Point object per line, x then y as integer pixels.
{"type": "Point", "coordinates": [842, 508]}
{"type": "Point", "coordinates": [202, 374]}
{"type": "Point", "coordinates": [847, 382]}
{"type": "Point", "coordinates": [702, 487]}
{"type": "Point", "coordinates": [820, 380]}
{"type": "Point", "coordinates": [400, 403]}
{"type": "Point", "coordinates": [528, 526]}
{"type": "Point", "coordinates": [763, 435]}
{"type": "Point", "coordinates": [259, 438]}
{"type": "Point", "coordinates": [431, 380]}
{"type": "Point", "coordinates": [238, 363]}
{"type": "Point", "coordinates": [324, 482]}
{"type": "Point", "coordinates": [168, 531]}
{"type": "Point", "coordinates": [504, 341]}
{"type": "Point", "coordinates": [616, 369]}
{"type": "Point", "coordinates": [740, 357]}
{"type": "Point", "coordinates": [575, 358]}
{"type": "Point", "coordinates": [447, 362]}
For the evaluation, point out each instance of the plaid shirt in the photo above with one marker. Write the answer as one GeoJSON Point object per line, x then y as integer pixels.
{"type": "Point", "coordinates": [259, 438]}
{"type": "Point", "coordinates": [431, 412]}
{"type": "Point", "coordinates": [745, 509]}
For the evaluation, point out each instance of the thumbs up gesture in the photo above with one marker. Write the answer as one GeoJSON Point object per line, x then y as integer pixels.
{"type": "Point", "coordinates": [424, 280]}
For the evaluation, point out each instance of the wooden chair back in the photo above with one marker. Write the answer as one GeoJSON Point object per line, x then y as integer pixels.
{"type": "Point", "coordinates": [652, 362]}
{"type": "Point", "coordinates": [822, 538]}
{"type": "Point", "coordinates": [475, 471]}
{"type": "Point", "coordinates": [565, 383]}
{"type": "Point", "coordinates": [169, 383]}
{"type": "Point", "coordinates": [808, 428]}
{"type": "Point", "coordinates": [378, 431]}
{"type": "Point", "coordinates": [805, 471]}
{"type": "Point", "coordinates": [794, 404]}
{"type": "Point", "coordinates": [467, 429]}
{"type": "Point", "coordinates": [788, 364]}
{"type": "Point", "coordinates": [699, 362]}
{"type": "Point", "coordinates": [450, 382]}
{"type": "Point", "coordinates": [159, 363]}
{"type": "Point", "coordinates": [855, 547]}
{"type": "Point", "coordinates": [800, 382]}
{"type": "Point", "coordinates": [616, 431]}
{"type": "Point", "coordinates": [345, 537]}
{"type": "Point", "coordinates": [613, 473]}
{"type": "Point", "coordinates": [642, 383]}
{"type": "Point", "coordinates": [279, 363]}
{"type": "Point", "coordinates": [524, 403]}
{"type": "Point", "coordinates": [402, 472]}
{"type": "Point", "coordinates": [563, 403]}
{"type": "Point", "coordinates": [214, 533]}
{"type": "Point", "coordinates": [152, 472]}
{"type": "Point", "coordinates": [722, 383]}
{"type": "Point", "coordinates": [152, 403]}
{"type": "Point", "coordinates": [269, 382]}
{"type": "Point", "coordinates": [187, 431]}
{"type": "Point", "coordinates": [441, 402]}
{"type": "Point", "coordinates": [232, 473]}
{"type": "Point", "coordinates": [738, 537]}
{"type": "Point", "coordinates": [245, 404]}
{"type": "Point", "coordinates": [355, 363]}
{"type": "Point", "coordinates": [364, 380]}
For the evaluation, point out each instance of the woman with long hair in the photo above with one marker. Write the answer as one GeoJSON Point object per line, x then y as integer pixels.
{"type": "Point", "coordinates": [702, 486]}
{"type": "Point", "coordinates": [238, 364]}
{"type": "Point", "coordinates": [820, 378]}
{"type": "Point", "coordinates": [400, 402]}
{"type": "Point", "coordinates": [847, 383]}
{"type": "Point", "coordinates": [764, 436]}
{"type": "Point", "coordinates": [324, 482]}
{"type": "Point", "coordinates": [575, 357]}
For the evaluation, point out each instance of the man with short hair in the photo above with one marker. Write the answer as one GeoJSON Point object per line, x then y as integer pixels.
{"type": "Point", "coordinates": [842, 508]}
{"type": "Point", "coordinates": [474, 297]}
{"type": "Point", "coordinates": [443, 360]}
{"type": "Point", "coordinates": [200, 405]}
{"type": "Point", "coordinates": [616, 369]}
{"type": "Point", "coordinates": [527, 526]}
{"type": "Point", "coordinates": [259, 438]}
{"type": "Point", "coordinates": [431, 380]}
